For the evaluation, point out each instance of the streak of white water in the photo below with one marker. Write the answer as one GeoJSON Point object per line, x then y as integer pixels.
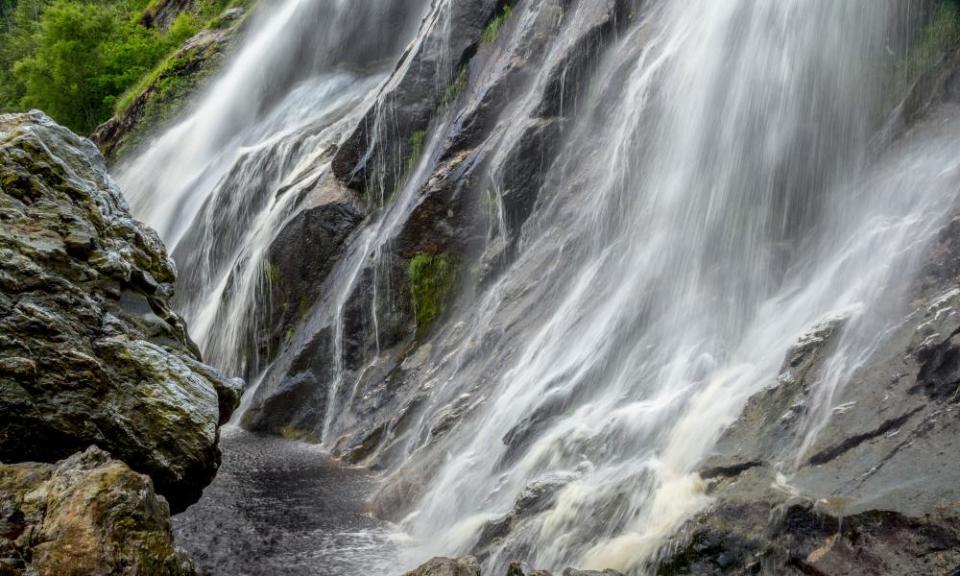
{"type": "Point", "coordinates": [731, 206]}
{"type": "Point", "coordinates": [731, 209]}
{"type": "Point", "coordinates": [225, 180]}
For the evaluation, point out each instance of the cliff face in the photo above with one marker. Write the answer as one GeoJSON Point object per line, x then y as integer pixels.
{"type": "Point", "coordinates": [884, 450]}
{"type": "Point", "coordinates": [92, 354]}
{"type": "Point", "coordinates": [876, 491]}
{"type": "Point", "coordinates": [413, 280]}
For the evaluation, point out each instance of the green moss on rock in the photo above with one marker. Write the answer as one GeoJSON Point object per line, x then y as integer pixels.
{"type": "Point", "coordinates": [495, 26]}
{"type": "Point", "coordinates": [432, 279]}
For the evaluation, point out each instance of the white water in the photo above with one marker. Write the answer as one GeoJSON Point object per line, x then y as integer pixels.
{"type": "Point", "coordinates": [722, 204]}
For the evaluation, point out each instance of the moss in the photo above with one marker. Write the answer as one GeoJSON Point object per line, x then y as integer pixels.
{"type": "Point", "coordinates": [273, 273]}
{"type": "Point", "coordinates": [303, 307]}
{"type": "Point", "coordinates": [939, 37]}
{"type": "Point", "coordinates": [492, 31]}
{"type": "Point", "coordinates": [415, 150]}
{"type": "Point", "coordinates": [432, 278]}
{"type": "Point", "coordinates": [456, 88]}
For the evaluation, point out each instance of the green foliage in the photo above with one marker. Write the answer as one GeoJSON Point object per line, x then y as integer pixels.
{"type": "Point", "coordinates": [72, 58]}
{"type": "Point", "coordinates": [82, 60]}
{"type": "Point", "coordinates": [939, 37]}
{"type": "Point", "coordinates": [84, 56]}
{"type": "Point", "coordinates": [17, 41]}
{"type": "Point", "coordinates": [432, 279]}
{"type": "Point", "coordinates": [456, 88]}
{"type": "Point", "coordinates": [415, 150]}
{"type": "Point", "coordinates": [492, 31]}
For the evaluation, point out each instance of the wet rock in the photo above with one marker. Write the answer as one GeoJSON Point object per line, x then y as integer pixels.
{"type": "Point", "coordinates": [937, 88]}
{"type": "Point", "coordinates": [86, 515]}
{"type": "Point", "coordinates": [771, 420]}
{"type": "Point", "coordinates": [800, 537]}
{"type": "Point", "coordinates": [519, 569]}
{"type": "Point", "coordinates": [465, 566]}
{"type": "Point", "coordinates": [873, 492]}
{"type": "Point", "coordinates": [411, 95]}
{"type": "Point", "coordinates": [92, 351]}
{"type": "Point", "coordinates": [303, 253]}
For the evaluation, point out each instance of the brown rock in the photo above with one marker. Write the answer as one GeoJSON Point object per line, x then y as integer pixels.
{"type": "Point", "coordinates": [86, 515]}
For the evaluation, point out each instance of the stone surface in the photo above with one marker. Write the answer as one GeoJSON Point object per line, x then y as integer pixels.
{"type": "Point", "coordinates": [92, 352]}
{"type": "Point", "coordinates": [465, 566]}
{"type": "Point", "coordinates": [88, 515]}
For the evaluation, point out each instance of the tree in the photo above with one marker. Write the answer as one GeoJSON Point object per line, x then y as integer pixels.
{"type": "Point", "coordinates": [85, 54]}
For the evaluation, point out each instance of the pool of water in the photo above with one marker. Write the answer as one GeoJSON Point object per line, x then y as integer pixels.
{"type": "Point", "coordinates": [281, 507]}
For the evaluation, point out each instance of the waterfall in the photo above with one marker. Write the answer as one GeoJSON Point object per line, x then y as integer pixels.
{"type": "Point", "coordinates": [714, 201]}
{"type": "Point", "coordinates": [714, 198]}
{"type": "Point", "coordinates": [219, 185]}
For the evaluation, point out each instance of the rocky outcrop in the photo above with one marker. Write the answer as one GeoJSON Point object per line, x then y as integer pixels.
{"type": "Point", "coordinates": [466, 566]}
{"type": "Point", "coordinates": [91, 351]}
{"type": "Point", "coordinates": [460, 79]}
{"type": "Point", "coordinates": [169, 87]}
{"type": "Point", "coordinates": [84, 516]}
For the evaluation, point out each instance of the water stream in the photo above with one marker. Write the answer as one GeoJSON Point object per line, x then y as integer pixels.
{"type": "Point", "coordinates": [715, 199]}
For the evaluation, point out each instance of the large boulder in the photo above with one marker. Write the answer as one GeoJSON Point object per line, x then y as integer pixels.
{"type": "Point", "coordinates": [90, 350]}
{"type": "Point", "coordinates": [87, 515]}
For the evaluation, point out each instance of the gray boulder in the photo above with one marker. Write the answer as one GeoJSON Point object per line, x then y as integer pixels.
{"type": "Point", "coordinates": [465, 566]}
{"type": "Point", "coordinates": [91, 351]}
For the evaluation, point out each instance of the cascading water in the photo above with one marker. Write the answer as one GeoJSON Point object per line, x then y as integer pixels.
{"type": "Point", "coordinates": [721, 207]}
{"type": "Point", "coordinates": [714, 199]}
{"type": "Point", "coordinates": [229, 175]}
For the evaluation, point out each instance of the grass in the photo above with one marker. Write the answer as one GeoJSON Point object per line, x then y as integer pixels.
{"type": "Point", "coordinates": [415, 148]}
{"type": "Point", "coordinates": [495, 26]}
{"type": "Point", "coordinates": [456, 88]}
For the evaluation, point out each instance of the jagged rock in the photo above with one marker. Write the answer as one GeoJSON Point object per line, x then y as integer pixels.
{"type": "Point", "coordinates": [518, 569]}
{"type": "Point", "coordinates": [800, 537]}
{"type": "Point", "coordinates": [873, 492]}
{"type": "Point", "coordinates": [88, 515]}
{"type": "Point", "coordinates": [161, 14]}
{"type": "Point", "coordinates": [465, 566]}
{"type": "Point", "coordinates": [92, 352]}
{"type": "Point", "coordinates": [411, 93]}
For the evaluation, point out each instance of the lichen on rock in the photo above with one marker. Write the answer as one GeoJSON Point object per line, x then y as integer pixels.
{"type": "Point", "coordinates": [92, 351]}
{"type": "Point", "coordinates": [86, 515]}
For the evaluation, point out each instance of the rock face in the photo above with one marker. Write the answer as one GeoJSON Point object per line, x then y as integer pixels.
{"type": "Point", "coordinates": [84, 516]}
{"type": "Point", "coordinates": [875, 492]}
{"type": "Point", "coordinates": [91, 351]}
{"type": "Point", "coordinates": [468, 566]}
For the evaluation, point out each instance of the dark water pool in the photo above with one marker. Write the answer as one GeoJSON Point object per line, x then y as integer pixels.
{"type": "Point", "coordinates": [279, 507]}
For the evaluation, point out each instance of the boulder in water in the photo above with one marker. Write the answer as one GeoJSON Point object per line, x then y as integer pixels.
{"type": "Point", "coordinates": [84, 516]}
{"type": "Point", "coordinates": [92, 352]}
{"type": "Point", "coordinates": [465, 566]}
